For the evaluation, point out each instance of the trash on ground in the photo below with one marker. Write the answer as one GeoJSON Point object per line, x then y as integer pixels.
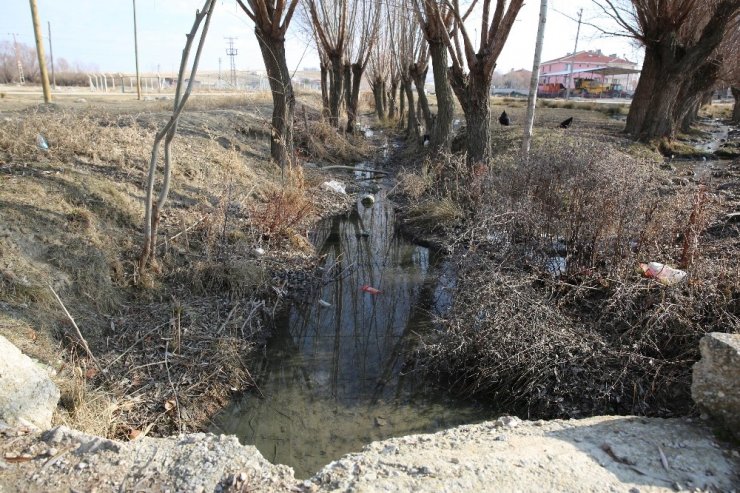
{"type": "Point", "coordinates": [662, 273]}
{"type": "Point", "coordinates": [334, 186]}
{"type": "Point", "coordinates": [367, 200]}
{"type": "Point", "coordinates": [259, 251]}
{"type": "Point", "coordinates": [371, 290]}
{"type": "Point", "coordinates": [325, 304]}
{"type": "Point", "coordinates": [42, 143]}
{"type": "Point", "coordinates": [369, 133]}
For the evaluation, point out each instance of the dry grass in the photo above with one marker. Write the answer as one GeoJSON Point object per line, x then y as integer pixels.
{"type": "Point", "coordinates": [597, 337]}
{"type": "Point", "coordinates": [70, 216]}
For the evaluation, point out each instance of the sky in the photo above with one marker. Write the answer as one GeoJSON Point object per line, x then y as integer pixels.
{"type": "Point", "coordinates": [99, 34]}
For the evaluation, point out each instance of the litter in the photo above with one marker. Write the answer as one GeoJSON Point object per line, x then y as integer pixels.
{"type": "Point", "coordinates": [259, 251]}
{"type": "Point", "coordinates": [370, 290]}
{"type": "Point", "coordinates": [42, 143]}
{"type": "Point", "coordinates": [325, 304]}
{"type": "Point", "coordinates": [334, 186]}
{"type": "Point", "coordinates": [662, 273]}
{"type": "Point", "coordinates": [367, 200]}
{"type": "Point", "coordinates": [369, 133]}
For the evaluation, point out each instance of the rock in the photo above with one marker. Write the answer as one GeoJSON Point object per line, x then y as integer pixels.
{"type": "Point", "coordinates": [715, 385]}
{"type": "Point", "coordinates": [28, 397]}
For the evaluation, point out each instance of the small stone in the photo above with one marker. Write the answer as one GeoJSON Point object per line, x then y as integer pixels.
{"type": "Point", "coordinates": [82, 465]}
{"type": "Point", "coordinates": [242, 476]}
{"type": "Point", "coordinates": [380, 421]}
{"type": "Point", "coordinates": [52, 452]}
{"type": "Point", "coordinates": [501, 438]}
{"type": "Point", "coordinates": [455, 460]}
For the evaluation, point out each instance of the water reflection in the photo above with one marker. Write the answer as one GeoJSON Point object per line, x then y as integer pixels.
{"type": "Point", "coordinates": [332, 376]}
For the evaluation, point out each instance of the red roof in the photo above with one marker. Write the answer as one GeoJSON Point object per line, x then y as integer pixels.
{"type": "Point", "coordinates": [594, 57]}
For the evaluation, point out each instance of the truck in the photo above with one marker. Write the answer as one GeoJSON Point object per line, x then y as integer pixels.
{"type": "Point", "coordinates": [551, 90]}
{"type": "Point", "coordinates": [591, 88]}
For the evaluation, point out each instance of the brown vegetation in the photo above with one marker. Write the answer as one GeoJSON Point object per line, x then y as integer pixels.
{"type": "Point", "coordinates": [550, 317]}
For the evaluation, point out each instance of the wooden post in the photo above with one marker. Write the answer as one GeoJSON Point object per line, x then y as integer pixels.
{"type": "Point", "coordinates": [40, 51]}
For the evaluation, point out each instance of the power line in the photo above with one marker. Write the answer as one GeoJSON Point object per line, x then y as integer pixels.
{"type": "Point", "coordinates": [21, 79]}
{"type": "Point", "coordinates": [232, 52]}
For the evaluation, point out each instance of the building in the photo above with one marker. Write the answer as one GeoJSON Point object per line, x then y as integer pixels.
{"type": "Point", "coordinates": [594, 65]}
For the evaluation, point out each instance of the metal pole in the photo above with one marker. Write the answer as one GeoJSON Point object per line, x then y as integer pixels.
{"type": "Point", "coordinates": [51, 55]}
{"type": "Point", "coordinates": [136, 54]}
{"type": "Point", "coordinates": [40, 51]}
{"type": "Point", "coordinates": [575, 49]}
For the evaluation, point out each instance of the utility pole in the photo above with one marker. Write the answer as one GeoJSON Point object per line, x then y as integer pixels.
{"type": "Point", "coordinates": [21, 79]}
{"type": "Point", "coordinates": [136, 54]}
{"type": "Point", "coordinates": [40, 51]}
{"type": "Point", "coordinates": [232, 52]}
{"type": "Point", "coordinates": [534, 81]}
{"type": "Point", "coordinates": [575, 48]}
{"type": "Point", "coordinates": [51, 54]}
{"type": "Point", "coordinates": [219, 69]}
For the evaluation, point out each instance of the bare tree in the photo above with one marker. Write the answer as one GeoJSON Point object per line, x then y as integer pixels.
{"type": "Point", "coordinates": [435, 19]}
{"type": "Point", "coordinates": [472, 86]}
{"type": "Point", "coordinates": [378, 70]}
{"type": "Point", "coordinates": [330, 21]}
{"type": "Point", "coordinates": [271, 20]}
{"type": "Point", "coordinates": [364, 34]}
{"type": "Point", "coordinates": [532, 101]}
{"type": "Point", "coordinates": [167, 133]}
{"type": "Point", "coordinates": [679, 38]}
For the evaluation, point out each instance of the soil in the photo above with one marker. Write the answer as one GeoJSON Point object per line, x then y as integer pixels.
{"type": "Point", "coordinates": [173, 344]}
{"type": "Point", "coordinates": [596, 454]}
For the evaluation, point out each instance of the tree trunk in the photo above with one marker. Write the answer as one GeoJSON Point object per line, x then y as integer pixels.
{"type": "Point", "coordinates": [736, 108]}
{"type": "Point", "coordinates": [389, 101]}
{"type": "Point", "coordinates": [441, 136]}
{"type": "Point", "coordinates": [643, 93]}
{"type": "Point", "coordinates": [472, 92]}
{"type": "Point", "coordinates": [347, 87]}
{"type": "Point", "coordinates": [281, 139]}
{"type": "Point", "coordinates": [420, 76]}
{"type": "Point", "coordinates": [354, 100]}
{"type": "Point", "coordinates": [694, 91]}
{"type": "Point", "coordinates": [335, 91]}
{"type": "Point", "coordinates": [401, 107]}
{"type": "Point", "coordinates": [377, 87]}
{"type": "Point", "coordinates": [412, 124]}
{"type": "Point", "coordinates": [324, 90]}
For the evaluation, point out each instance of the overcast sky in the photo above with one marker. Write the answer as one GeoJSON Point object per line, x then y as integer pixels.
{"type": "Point", "coordinates": [100, 33]}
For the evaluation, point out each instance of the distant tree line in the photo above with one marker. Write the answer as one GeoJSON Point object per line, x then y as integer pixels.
{"type": "Point", "coordinates": [66, 73]}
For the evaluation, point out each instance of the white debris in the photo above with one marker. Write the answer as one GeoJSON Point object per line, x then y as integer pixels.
{"type": "Point", "coordinates": [334, 186]}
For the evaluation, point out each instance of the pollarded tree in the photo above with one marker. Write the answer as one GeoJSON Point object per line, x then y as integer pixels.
{"type": "Point", "coordinates": [378, 70]}
{"type": "Point", "coordinates": [271, 20]}
{"type": "Point", "coordinates": [330, 22]}
{"type": "Point", "coordinates": [472, 86]}
{"type": "Point", "coordinates": [365, 25]}
{"type": "Point", "coordinates": [435, 19]}
{"type": "Point", "coordinates": [679, 37]}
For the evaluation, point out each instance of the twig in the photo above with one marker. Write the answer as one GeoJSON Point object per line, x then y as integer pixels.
{"type": "Point", "coordinates": [81, 339]}
{"type": "Point", "coordinates": [172, 386]}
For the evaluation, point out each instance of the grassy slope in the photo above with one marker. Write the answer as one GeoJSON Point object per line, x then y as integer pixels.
{"type": "Point", "coordinates": [70, 218]}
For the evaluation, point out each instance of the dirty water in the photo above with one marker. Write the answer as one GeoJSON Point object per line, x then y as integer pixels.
{"type": "Point", "coordinates": [333, 374]}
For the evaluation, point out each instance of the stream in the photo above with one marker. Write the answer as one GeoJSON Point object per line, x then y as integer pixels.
{"type": "Point", "coordinates": [333, 374]}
